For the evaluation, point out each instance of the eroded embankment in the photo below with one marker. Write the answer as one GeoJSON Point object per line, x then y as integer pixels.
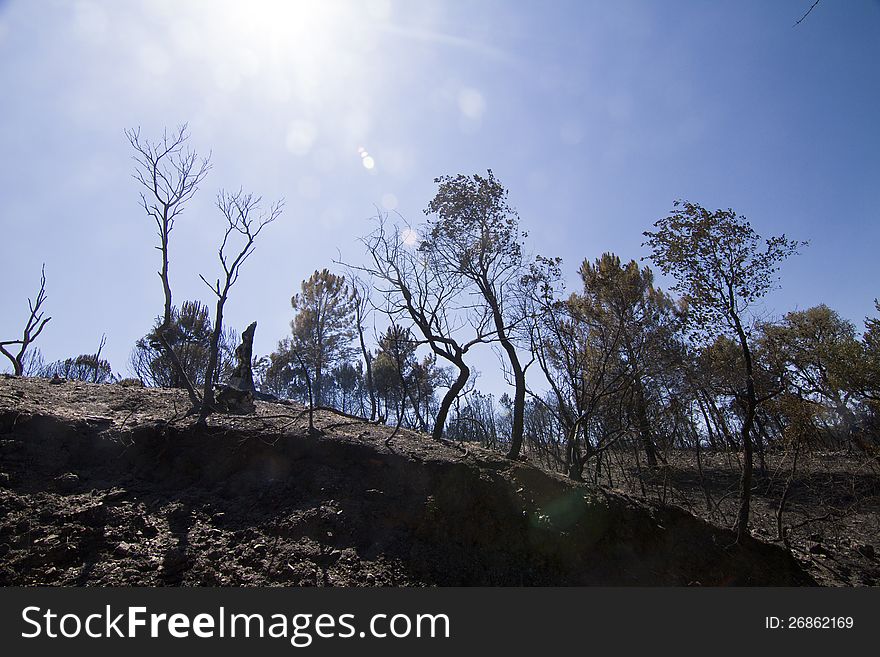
{"type": "Point", "coordinates": [92, 502]}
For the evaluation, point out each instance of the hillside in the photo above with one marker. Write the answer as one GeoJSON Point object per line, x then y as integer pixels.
{"type": "Point", "coordinates": [112, 485]}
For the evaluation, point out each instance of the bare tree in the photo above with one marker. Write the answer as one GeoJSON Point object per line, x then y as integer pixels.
{"type": "Point", "coordinates": [307, 375]}
{"type": "Point", "coordinates": [244, 219]}
{"type": "Point", "coordinates": [413, 286]}
{"type": "Point", "coordinates": [362, 307]}
{"type": "Point", "coordinates": [170, 174]}
{"type": "Point", "coordinates": [32, 328]}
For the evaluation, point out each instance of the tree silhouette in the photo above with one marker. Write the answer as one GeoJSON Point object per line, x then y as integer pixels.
{"type": "Point", "coordinates": [170, 174]}
{"type": "Point", "coordinates": [474, 233]}
{"type": "Point", "coordinates": [33, 327]}
{"type": "Point", "coordinates": [189, 336]}
{"type": "Point", "coordinates": [323, 326]}
{"type": "Point", "coordinates": [722, 270]}
{"type": "Point", "coordinates": [417, 289]}
{"type": "Point", "coordinates": [245, 220]}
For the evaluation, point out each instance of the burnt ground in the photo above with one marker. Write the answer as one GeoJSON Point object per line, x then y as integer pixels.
{"type": "Point", "coordinates": [111, 485]}
{"type": "Point", "coordinates": [831, 517]}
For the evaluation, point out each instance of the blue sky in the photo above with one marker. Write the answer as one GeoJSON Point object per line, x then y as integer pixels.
{"type": "Point", "coordinates": [595, 115]}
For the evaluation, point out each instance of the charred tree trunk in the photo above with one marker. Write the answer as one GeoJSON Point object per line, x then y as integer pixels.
{"type": "Point", "coordinates": [464, 374]}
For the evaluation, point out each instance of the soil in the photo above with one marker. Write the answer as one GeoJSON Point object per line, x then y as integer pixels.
{"type": "Point", "coordinates": [830, 520]}
{"type": "Point", "coordinates": [113, 485]}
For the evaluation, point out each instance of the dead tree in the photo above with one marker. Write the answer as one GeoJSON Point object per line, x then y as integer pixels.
{"type": "Point", "coordinates": [308, 377]}
{"type": "Point", "coordinates": [362, 308]}
{"type": "Point", "coordinates": [245, 220]}
{"type": "Point", "coordinates": [431, 298]}
{"type": "Point", "coordinates": [170, 174]}
{"type": "Point", "coordinates": [32, 328]}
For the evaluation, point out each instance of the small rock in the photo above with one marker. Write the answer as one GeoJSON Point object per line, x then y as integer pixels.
{"type": "Point", "coordinates": [114, 495]}
{"type": "Point", "coordinates": [67, 483]}
{"type": "Point", "coordinates": [5, 478]}
{"type": "Point", "coordinates": [123, 549]}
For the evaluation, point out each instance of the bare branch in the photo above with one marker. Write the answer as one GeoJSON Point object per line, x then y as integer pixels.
{"type": "Point", "coordinates": [813, 6]}
{"type": "Point", "coordinates": [32, 328]}
{"type": "Point", "coordinates": [245, 218]}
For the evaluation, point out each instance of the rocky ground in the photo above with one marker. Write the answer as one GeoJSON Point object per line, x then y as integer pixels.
{"type": "Point", "coordinates": [114, 485]}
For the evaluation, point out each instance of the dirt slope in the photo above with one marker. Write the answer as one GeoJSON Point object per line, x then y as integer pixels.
{"type": "Point", "coordinates": [110, 485]}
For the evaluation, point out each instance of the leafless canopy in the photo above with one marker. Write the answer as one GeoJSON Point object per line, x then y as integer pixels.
{"type": "Point", "coordinates": [32, 328]}
{"type": "Point", "coordinates": [170, 174]}
{"type": "Point", "coordinates": [245, 220]}
{"type": "Point", "coordinates": [430, 297]}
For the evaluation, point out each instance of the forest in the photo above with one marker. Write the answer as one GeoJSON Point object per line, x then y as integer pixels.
{"type": "Point", "coordinates": [612, 379]}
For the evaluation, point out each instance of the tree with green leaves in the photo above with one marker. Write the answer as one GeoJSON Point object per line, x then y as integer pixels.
{"type": "Point", "coordinates": [722, 269]}
{"type": "Point", "coordinates": [402, 377]}
{"type": "Point", "coordinates": [644, 323]}
{"type": "Point", "coordinates": [474, 233]}
{"type": "Point", "coordinates": [324, 326]}
{"type": "Point", "coordinates": [819, 353]}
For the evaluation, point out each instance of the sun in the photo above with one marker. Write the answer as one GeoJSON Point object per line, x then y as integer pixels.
{"type": "Point", "coordinates": [298, 49]}
{"type": "Point", "coordinates": [298, 26]}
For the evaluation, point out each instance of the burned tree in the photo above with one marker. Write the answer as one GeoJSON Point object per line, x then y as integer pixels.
{"type": "Point", "coordinates": [242, 376]}
{"type": "Point", "coordinates": [474, 234]}
{"type": "Point", "coordinates": [362, 307]}
{"type": "Point", "coordinates": [415, 287]}
{"type": "Point", "coordinates": [722, 270]}
{"type": "Point", "coordinates": [170, 174]}
{"type": "Point", "coordinates": [245, 220]}
{"type": "Point", "coordinates": [190, 337]}
{"type": "Point", "coordinates": [33, 327]}
{"type": "Point", "coordinates": [322, 328]}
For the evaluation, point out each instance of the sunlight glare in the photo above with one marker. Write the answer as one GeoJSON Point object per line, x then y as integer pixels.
{"type": "Point", "coordinates": [409, 236]}
{"type": "Point", "coordinates": [366, 159]}
{"type": "Point", "coordinates": [301, 135]}
{"type": "Point", "coordinates": [295, 46]}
